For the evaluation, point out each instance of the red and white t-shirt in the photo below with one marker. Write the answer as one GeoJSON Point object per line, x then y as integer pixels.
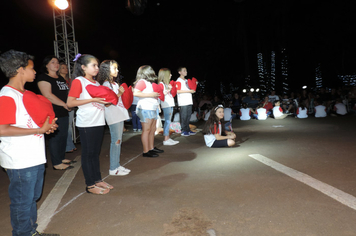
{"type": "Point", "coordinates": [210, 138]}
{"type": "Point", "coordinates": [168, 98]}
{"type": "Point", "coordinates": [277, 111]}
{"type": "Point", "coordinates": [118, 113]}
{"type": "Point", "coordinates": [245, 114]}
{"type": "Point", "coordinates": [340, 109]}
{"type": "Point", "coordinates": [184, 99]}
{"type": "Point", "coordinates": [19, 152]}
{"type": "Point", "coordinates": [302, 113]}
{"type": "Point", "coordinates": [146, 103]}
{"type": "Point", "coordinates": [90, 114]}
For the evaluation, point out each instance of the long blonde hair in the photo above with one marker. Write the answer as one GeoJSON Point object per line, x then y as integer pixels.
{"type": "Point", "coordinates": [147, 73]}
{"type": "Point", "coordinates": [164, 75]}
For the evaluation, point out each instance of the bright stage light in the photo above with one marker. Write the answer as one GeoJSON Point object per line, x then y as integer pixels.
{"type": "Point", "coordinates": [257, 89]}
{"type": "Point", "coordinates": [252, 90]}
{"type": "Point", "coordinates": [244, 90]}
{"type": "Point", "coordinates": [61, 4]}
{"type": "Point", "coordinates": [304, 87]}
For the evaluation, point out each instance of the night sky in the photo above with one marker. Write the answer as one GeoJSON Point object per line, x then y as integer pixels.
{"type": "Point", "coordinates": [217, 40]}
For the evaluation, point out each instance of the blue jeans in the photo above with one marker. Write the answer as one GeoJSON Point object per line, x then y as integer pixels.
{"type": "Point", "coordinates": [24, 190]}
{"type": "Point", "coordinates": [168, 111]}
{"type": "Point", "coordinates": [91, 139]}
{"type": "Point", "coordinates": [70, 145]}
{"type": "Point", "coordinates": [115, 145]}
{"type": "Point", "coordinates": [185, 113]}
{"type": "Point", "coordinates": [136, 123]}
{"type": "Point", "coordinates": [58, 140]}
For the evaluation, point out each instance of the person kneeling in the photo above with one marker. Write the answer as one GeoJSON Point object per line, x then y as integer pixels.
{"type": "Point", "coordinates": [214, 133]}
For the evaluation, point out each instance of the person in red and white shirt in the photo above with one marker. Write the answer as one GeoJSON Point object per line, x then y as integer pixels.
{"type": "Point", "coordinates": [214, 132]}
{"type": "Point", "coordinates": [22, 148]}
{"type": "Point", "coordinates": [164, 77]}
{"type": "Point", "coordinates": [278, 111]}
{"type": "Point", "coordinates": [147, 109]}
{"type": "Point", "coordinates": [320, 110]}
{"type": "Point", "coordinates": [90, 121]}
{"type": "Point", "coordinates": [185, 101]}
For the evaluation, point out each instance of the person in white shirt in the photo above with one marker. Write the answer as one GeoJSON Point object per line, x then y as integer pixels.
{"type": "Point", "coordinates": [278, 111]}
{"type": "Point", "coordinates": [164, 77]}
{"type": "Point", "coordinates": [339, 108]}
{"type": "Point", "coordinates": [320, 110]}
{"type": "Point", "coordinates": [115, 115]}
{"type": "Point", "coordinates": [147, 109]}
{"type": "Point", "coordinates": [185, 101]}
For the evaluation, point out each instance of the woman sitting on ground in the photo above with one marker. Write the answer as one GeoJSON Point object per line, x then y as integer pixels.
{"type": "Point", "coordinates": [214, 132]}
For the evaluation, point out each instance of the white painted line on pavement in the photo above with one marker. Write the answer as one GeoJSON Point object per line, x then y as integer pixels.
{"type": "Point", "coordinates": [53, 199]}
{"type": "Point", "coordinates": [328, 190]}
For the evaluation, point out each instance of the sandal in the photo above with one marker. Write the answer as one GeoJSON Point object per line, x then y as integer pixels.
{"type": "Point", "coordinates": [95, 190]}
{"type": "Point", "coordinates": [103, 184]}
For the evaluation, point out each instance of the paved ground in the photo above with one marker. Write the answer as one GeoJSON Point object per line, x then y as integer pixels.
{"type": "Point", "coordinates": [301, 183]}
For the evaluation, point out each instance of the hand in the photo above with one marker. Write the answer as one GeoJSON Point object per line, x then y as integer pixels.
{"type": "Point", "coordinates": [47, 127]}
{"type": "Point", "coordinates": [169, 87]}
{"type": "Point", "coordinates": [155, 95]}
{"type": "Point", "coordinates": [100, 100]}
{"type": "Point", "coordinates": [232, 136]}
{"type": "Point", "coordinates": [66, 107]}
{"type": "Point", "coordinates": [192, 91]}
{"type": "Point", "coordinates": [121, 90]}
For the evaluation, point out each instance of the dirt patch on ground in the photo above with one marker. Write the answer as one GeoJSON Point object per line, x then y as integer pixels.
{"type": "Point", "coordinates": [188, 222]}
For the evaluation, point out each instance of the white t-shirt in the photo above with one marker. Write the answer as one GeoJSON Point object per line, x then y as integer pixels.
{"type": "Point", "coordinates": [245, 114]}
{"type": "Point", "coordinates": [90, 114]}
{"type": "Point", "coordinates": [184, 99]}
{"type": "Point", "coordinates": [227, 114]}
{"type": "Point", "coordinates": [302, 113]}
{"type": "Point", "coordinates": [340, 109]}
{"type": "Point", "coordinates": [118, 113]}
{"type": "Point", "coordinates": [272, 98]}
{"type": "Point", "coordinates": [146, 103]}
{"type": "Point", "coordinates": [19, 152]}
{"type": "Point", "coordinates": [320, 111]}
{"type": "Point", "coordinates": [261, 113]}
{"type": "Point", "coordinates": [168, 98]}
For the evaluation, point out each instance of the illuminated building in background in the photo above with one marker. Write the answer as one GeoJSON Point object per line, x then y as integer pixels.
{"type": "Point", "coordinates": [318, 77]}
{"type": "Point", "coordinates": [284, 71]}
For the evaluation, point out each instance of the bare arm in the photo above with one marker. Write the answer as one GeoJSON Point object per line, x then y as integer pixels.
{"type": "Point", "coordinates": [186, 91]}
{"type": "Point", "coordinates": [46, 90]}
{"type": "Point", "coordinates": [73, 102]}
{"type": "Point", "coordinates": [229, 135]}
{"type": "Point", "coordinates": [8, 130]}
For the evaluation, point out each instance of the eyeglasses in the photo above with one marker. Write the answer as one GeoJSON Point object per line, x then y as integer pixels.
{"type": "Point", "coordinates": [218, 106]}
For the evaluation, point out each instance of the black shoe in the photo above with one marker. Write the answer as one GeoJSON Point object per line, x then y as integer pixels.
{"type": "Point", "coordinates": [149, 154]}
{"type": "Point", "coordinates": [156, 150]}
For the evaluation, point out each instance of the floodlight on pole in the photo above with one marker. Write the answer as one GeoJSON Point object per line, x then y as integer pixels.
{"type": "Point", "coordinates": [65, 46]}
{"type": "Point", "coordinates": [61, 4]}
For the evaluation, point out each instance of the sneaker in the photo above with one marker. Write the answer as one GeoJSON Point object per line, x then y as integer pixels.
{"type": "Point", "coordinates": [185, 134]}
{"type": "Point", "coordinates": [123, 169]}
{"type": "Point", "coordinates": [44, 234]}
{"type": "Point", "coordinates": [174, 141]}
{"type": "Point", "coordinates": [156, 150]}
{"type": "Point", "coordinates": [139, 130]}
{"type": "Point", "coordinates": [118, 172]}
{"type": "Point", "coordinates": [150, 154]}
{"type": "Point", "coordinates": [134, 130]}
{"type": "Point", "coordinates": [192, 133]}
{"type": "Point", "coordinates": [169, 142]}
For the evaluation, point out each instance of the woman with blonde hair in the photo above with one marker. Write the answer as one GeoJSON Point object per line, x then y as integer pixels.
{"type": "Point", "coordinates": [146, 109]}
{"type": "Point", "coordinates": [164, 77]}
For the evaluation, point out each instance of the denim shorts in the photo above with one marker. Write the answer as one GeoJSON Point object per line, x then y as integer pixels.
{"type": "Point", "coordinates": [146, 114]}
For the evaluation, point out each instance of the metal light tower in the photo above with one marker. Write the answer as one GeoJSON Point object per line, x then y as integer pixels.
{"type": "Point", "coordinates": [65, 46]}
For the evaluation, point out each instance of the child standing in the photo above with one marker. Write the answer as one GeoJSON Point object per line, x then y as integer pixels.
{"type": "Point", "coordinates": [214, 133]}
{"type": "Point", "coordinates": [146, 109]}
{"type": "Point", "coordinates": [90, 121]}
{"type": "Point", "coordinates": [164, 77]}
{"type": "Point", "coordinates": [24, 166]}
{"type": "Point", "coordinates": [185, 101]}
{"type": "Point", "coordinates": [114, 115]}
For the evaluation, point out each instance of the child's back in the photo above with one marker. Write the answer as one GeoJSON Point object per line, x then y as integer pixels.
{"type": "Point", "coordinates": [261, 113]}
{"type": "Point", "coordinates": [245, 114]}
{"type": "Point", "coordinates": [320, 111]}
{"type": "Point", "coordinates": [302, 112]}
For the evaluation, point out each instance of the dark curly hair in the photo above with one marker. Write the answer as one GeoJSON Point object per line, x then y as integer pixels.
{"type": "Point", "coordinates": [104, 71]}
{"type": "Point", "coordinates": [11, 60]}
